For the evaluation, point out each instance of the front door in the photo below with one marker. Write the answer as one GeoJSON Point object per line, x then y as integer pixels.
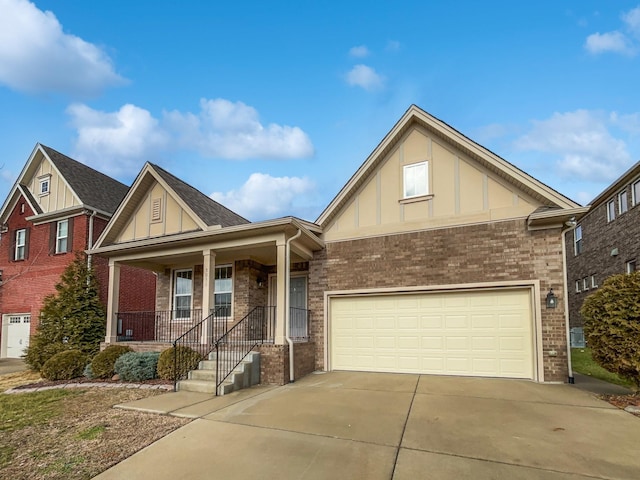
{"type": "Point", "coordinates": [297, 303]}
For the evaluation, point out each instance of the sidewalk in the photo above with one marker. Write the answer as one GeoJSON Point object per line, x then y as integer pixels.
{"type": "Point", "coordinates": [598, 387]}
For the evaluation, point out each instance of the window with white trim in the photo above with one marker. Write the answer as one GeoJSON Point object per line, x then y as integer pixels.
{"type": "Point", "coordinates": [631, 266]}
{"type": "Point", "coordinates": [635, 192]}
{"type": "Point", "coordinates": [622, 202]}
{"type": "Point", "coordinates": [182, 293]}
{"type": "Point", "coordinates": [223, 290]}
{"type": "Point", "coordinates": [416, 180]}
{"type": "Point", "coordinates": [611, 210]}
{"type": "Point", "coordinates": [21, 242]}
{"type": "Point", "coordinates": [44, 186]}
{"type": "Point", "coordinates": [594, 284]}
{"type": "Point", "coordinates": [577, 240]}
{"type": "Point", "coordinates": [578, 286]}
{"type": "Point", "coordinates": [62, 236]}
{"type": "Point", "coordinates": [585, 284]}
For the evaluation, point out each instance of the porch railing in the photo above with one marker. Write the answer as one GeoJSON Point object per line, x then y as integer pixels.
{"type": "Point", "coordinates": [256, 328]}
{"type": "Point", "coordinates": [155, 326]}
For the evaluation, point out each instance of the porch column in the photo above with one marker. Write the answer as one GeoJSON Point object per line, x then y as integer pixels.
{"type": "Point", "coordinates": [208, 284]}
{"type": "Point", "coordinates": [113, 302]}
{"type": "Point", "coordinates": [281, 289]}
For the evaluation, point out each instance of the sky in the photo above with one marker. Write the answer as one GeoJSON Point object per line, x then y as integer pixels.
{"type": "Point", "coordinates": [270, 107]}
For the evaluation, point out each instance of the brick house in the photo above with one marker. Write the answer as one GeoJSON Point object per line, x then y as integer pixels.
{"type": "Point", "coordinates": [57, 207]}
{"type": "Point", "coordinates": [436, 257]}
{"type": "Point", "coordinates": [605, 242]}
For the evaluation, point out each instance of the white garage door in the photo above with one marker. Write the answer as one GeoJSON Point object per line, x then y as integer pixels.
{"type": "Point", "coordinates": [479, 333]}
{"type": "Point", "coordinates": [17, 328]}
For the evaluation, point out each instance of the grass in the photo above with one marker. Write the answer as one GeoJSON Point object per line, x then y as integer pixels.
{"type": "Point", "coordinates": [583, 363]}
{"type": "Point", "coordinates": [72, 433]}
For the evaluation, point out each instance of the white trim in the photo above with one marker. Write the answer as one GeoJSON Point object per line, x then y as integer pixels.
{"type": "Point", "coordinates": [532, 285]}
{"type": "Point", "coordinates": [635, 198]}
{"type": "Point", "coordinates": [623, 195]}
{"type": "Point", "coordinates": [59, 237]}
{"type": "Point", "coordinates": [20, 245]}
{"type": "Point", "coordinates": [233, 290]}
{"type": "Point", "coordinates": [173, 308]}
{"type": "Point", "coordinates": [411, 167]}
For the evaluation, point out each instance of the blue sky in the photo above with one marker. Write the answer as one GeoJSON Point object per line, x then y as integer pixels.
{"type": "Point", "coordinates": [271, 106]}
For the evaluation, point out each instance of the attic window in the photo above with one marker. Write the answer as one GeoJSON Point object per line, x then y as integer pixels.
{"type": "Point", "coordinates": [45, 184]}
{"type": "Point", "coordinates": [416, 180]}
{"type": "Point", "coordinates": [156, 210]}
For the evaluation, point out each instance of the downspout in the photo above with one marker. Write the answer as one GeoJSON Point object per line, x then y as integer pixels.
{"type": "Point", "coordinates": [90, 240]}
{"type": "Point", "coordinates": [571, 224]}
{"type": "Point", "coordinates": [287, 310]}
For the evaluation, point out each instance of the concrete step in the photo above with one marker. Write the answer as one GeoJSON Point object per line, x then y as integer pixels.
{"type": "Point", "coordinates": [203, 380]}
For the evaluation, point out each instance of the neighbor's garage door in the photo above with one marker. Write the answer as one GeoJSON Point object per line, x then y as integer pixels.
{"type": "Point", "coordinates": [17, 334]}
{"type": "Point", "coordinates": [478, 333]}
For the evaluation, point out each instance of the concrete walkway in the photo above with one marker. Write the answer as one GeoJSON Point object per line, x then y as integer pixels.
{"type": "Point", "coordinates": [384, 426]}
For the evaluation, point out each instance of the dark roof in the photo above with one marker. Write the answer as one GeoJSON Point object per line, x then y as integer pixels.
{"type": "Point", "coordinates": [210, 211]}
{"type": "Point", "coordinates": [31, 199]}
{"type": "Point", "coordinates": [94, 189]}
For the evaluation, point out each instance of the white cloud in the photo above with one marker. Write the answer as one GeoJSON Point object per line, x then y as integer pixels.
{"type": "Point", "coordinates": [119, 141]}
{"type": "Point", "coordinates": [615, 42]}
{"type": "Point", "coordinates": [263, 196]}
{"type": "Point", "coordinates": [360, 51]}
{"type": "Point", "coordinates": [224, 129]}
{"type": "Point", "coordinates": [581, 143]}
{"type": "Point", "coordinates": [365, 77]}
{"type": "Point", "coordinates": [116, 142]}
{"type": "Point", "coordinates": [629, 123]}
{"type": "Point", "coordinates": [632, 20]}
{"type": "Point", "coordinates": [36, 56]}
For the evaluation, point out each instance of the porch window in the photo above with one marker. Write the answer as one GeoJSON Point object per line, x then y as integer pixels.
{"type": "Point", "coordinates": [416, 181]}
{"type": "Point", "coordinates": [183, 293]}
{"type": "Point", "coordinates": [223, 290]}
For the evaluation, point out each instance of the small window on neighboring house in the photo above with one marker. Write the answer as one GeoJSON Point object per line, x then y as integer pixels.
{"type": "Point", "coordinates": [223, 290]}
{"type": "Point", "coordinates": [585, 284]}
{"type": "Point", "coordinates": [611, 211]}
{"type": "Point", "coordinates": [622, 202]}
{"type": "Point", "coordinates": [635, 192]}
{"type": "Point", "coordinates": [44, 186]}
{"type": "Point", "coordinates": [578, 286]}
{"type": "Point", "coordinates": [62, 236]}
{"type": "Point", "coordinates": [631, 266]}
{"type": "Point", "coordinates": [416, 180]}
{"type": "Point", "coordinates": [156, 210]}
{"type": "Point", "coordinates": [20, 252]}
{"type": "Point", "coordinates": [577, 239]}
{"type": "Point", "coordinates": [594, 284]}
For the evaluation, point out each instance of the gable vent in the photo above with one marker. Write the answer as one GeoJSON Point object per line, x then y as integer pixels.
{"type": "Point", "coordinates": [156, 210]}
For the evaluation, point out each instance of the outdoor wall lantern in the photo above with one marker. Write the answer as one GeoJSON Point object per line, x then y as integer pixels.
{"type": "Point", "coordinates": [261, 282]}
{"type": "Point", "coordinates": [552, 300]}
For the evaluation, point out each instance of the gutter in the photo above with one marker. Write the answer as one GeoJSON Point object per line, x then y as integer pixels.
{"type": "Point", "coordinates": [572, 225]}
{"type": "Point", "coordinates": [287, 311]}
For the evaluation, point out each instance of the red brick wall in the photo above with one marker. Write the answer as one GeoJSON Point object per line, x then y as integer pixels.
{"type": "Point", "coordinates": [274, 362]}
{"type": "Point", "coordinates": [492, 252]}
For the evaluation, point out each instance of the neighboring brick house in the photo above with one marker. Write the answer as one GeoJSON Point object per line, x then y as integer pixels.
{"type": "Point", "coordinates": [605, 242]}
{"type": "Point", "coordinates": [57, 207]}
{"type": "Point", "coordinates": [436, 257]}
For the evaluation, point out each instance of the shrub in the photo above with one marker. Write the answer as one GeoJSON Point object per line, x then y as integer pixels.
{"type": "Point", "coordinates": [188, 360]}
{"type": "Point", "coordinates": [88, 372]}
{"type": "Point", "coordinates": [64, 365]}
{"type": "Point", "coordinates": [137, 366]}
{"type": "Point", "coordinates": [612, 325]}
{"type": "Point", "coordinates": [103, 363]}
{"type": "Point", "coordinates": [72, 319]}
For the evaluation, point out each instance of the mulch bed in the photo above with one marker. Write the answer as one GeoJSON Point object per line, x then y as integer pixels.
{"type": "Point", "coordinates": [84, 380]}
{"type": "Point", "coordinates": [623, 401]}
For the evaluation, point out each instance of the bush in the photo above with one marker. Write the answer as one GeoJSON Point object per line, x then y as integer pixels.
{"type": "Point", "coordinates": [39, 352]}
{"type": "Point", "coordinates": [188, 360]}
{"type": "Point", "coordinates": [64, 365]}
{"type": "Point", "coordinates": [137, 366]}
{"type": "Point", "coordinates": [612, 325]}
{"type": "Point", "coordinates": [103, 363]}
{"type": "Point", "coordinates": [88, 372]}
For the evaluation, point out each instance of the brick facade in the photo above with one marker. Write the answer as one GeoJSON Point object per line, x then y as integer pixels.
{"type": "Point", "coordinates": [274, 362]}
{"type": "Point", "coordinates": [494, 252]}
{"type": "Point", "coordinates": [26, 283]}
{"type": "Point", "coordinates": [607, 246]}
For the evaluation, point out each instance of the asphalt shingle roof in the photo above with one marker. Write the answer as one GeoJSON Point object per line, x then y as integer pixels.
{"type": "Point", "coordinates": [210, 211]}
{"type": "Point", "coordinates": [94, 188]}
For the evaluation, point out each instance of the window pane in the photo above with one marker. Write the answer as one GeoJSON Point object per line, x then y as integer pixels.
{"type": "Point", "coordinates": [611, 210]}
{"type": "Point", "coordinates": [183, 283]}
{"type": "Point", "coordinates": [622, 202]}
{"type": "Point", "coordinates": [223, 301]}
{"type": "Point", "coordinates": [63, 228]}
{"type": "Point", "coordinates": [61, 245]}
{"type": "Point", "coordinates": [636, 193]}
{"type": "Point", "coordinates": [415, 180]}
{"type": "Point", "coordinates": [20, 234]}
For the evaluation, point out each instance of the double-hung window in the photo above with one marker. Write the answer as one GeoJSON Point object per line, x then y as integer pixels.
{"type": "Point", "coordinates": [611, 210]}
{"type": "Point", "coordinates": [223, 290]}
{"type": "Point", "coordinates": [635, 192]}
{"type": "Point", "coordinates": [182, 293]}
{"type": "Point", "coordinates": [622, 202]}
{"type": "Point", "coordinates": [62, 236]}
{"type": "Point", "coordinates": [21, 244]}
{"type": "Point", "coordinates": [631, 266]}
{"type": "Point", "coordinates": [416, 180]}
{"type": "Point", "coordinates": [577, 239]}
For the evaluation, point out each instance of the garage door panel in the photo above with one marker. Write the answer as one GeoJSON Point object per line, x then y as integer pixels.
{"type": "Point", "coordinates": [486, 333]}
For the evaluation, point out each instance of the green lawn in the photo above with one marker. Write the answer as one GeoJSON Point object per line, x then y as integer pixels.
{"type": "Point", "coordinates": [583, 363]}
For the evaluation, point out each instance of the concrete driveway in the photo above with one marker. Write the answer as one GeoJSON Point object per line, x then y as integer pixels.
{"type": "Point", "coordinates": [344, 425]}
{"type": "Point", "coordinates": [12, 365]}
